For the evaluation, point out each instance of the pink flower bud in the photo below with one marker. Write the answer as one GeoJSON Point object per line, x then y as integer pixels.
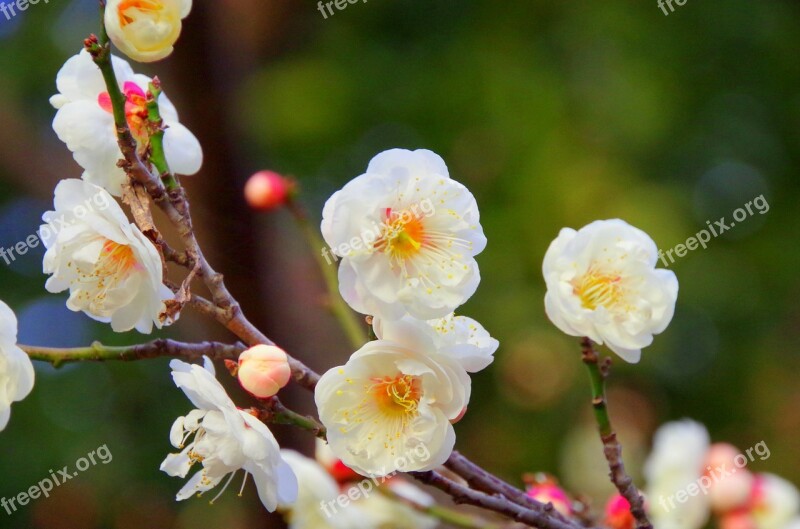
{"type": "Point", "coordinates": [550, 493]}
{"type": "Point", "coordinates": [267, 190]}
{"type": "Point", "coordinates": [729, 486]}
{"type": "Point", "coordinates": [263, 370]}
{"type": "Point", "coordinates": [618, 513]}
{"type": "Point", "coordinates": [740, 519]}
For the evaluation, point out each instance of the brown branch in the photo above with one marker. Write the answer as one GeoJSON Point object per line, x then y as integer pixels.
{"type": "Point", "coordinates": [176, 207]}
{"type": "Point", "coordinates": [482, 480]}
{"type": "Point", "coordinates": [612, 449]}
{"type": "Point", "coordinates": [98, 352]}
{"type": "Point", "coordinates": [496, 503]}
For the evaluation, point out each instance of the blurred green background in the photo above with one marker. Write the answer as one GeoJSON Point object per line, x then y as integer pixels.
{"type": "Point", "coordinates": [553, 113]}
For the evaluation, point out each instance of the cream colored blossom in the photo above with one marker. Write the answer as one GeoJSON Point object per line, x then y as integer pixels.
{"type": "Point", "coordinates": [145, 30]}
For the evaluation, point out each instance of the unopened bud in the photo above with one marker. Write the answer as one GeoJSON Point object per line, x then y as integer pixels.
{"type": "Point", "coordinates": [618, 513]}
{"type": "Point", "coordinates": [263, 370]}
{"type": "Point", "coordinates": [740, 519]}
{"type": "Point", "coordinates": [729, 486]}
{"type": "Point", "coordinates": [267, 190]}
{"type": "Point", "coordinates": [550, 493]}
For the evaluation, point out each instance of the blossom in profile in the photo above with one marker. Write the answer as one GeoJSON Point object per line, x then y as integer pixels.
{"type": "Point", "coordinates": [407, 235]}
{"type": "Point", "coordinates": [113, 273]}
{"type": "Point", "coordinates": [84, 121]}
{"type": "Point", "coordinates": [602, 283]}
{"type": "Point", "coordinates": [391, 405]}
{"type": "Point", "coordinates": [677, 461]}
{"type": "Point", "coordinates": [145, 30]}
{"type": "Point", "coordinates": [16, 370]}
{"type": "Point", "coordinates": [460, 337]}
{"type": "Point", "coordinates": [223, 440]}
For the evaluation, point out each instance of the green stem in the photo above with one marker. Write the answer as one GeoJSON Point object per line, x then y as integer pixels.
{"type": "Point", "coordinates": [156, 135]}
{"type": "Point", "coordinates": [612, 448]}
{"type": "Point", "coordinates": [101, 53]}
{"type": "Point", "coordinates": [351, 324]}
{"type": "Point", "coordinates": [598, 383]}
{"type": "Point", "coordinates": [103, 32]}
{"type": "Point", "coordinates": [272, 410]}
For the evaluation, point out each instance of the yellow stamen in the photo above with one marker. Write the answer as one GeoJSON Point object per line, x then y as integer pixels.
{"type": "Point", "coordinates": [397, 396]}
{"type": "Point", "coordinates": [598, 289]}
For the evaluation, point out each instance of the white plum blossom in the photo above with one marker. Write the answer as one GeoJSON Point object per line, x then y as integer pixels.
{"type": "Point", "coordinates": [112, 271]}
{"type": "Point", "coordinates": [391, 405]}
{"type": "Point", "coordinates": [145, 30]}
{"type": "Point", "coordinates": [677, 461]}
{"type": "Point", "coordinates": [84, 122]}
{"type": "Point", "coordinates": [224, 440]}
{"type": "Point", "coordinates": [316, 506]}
{"type": "Point", "coordinates": [407, 234]}
{"type": "Point", "coordinates": [602, 283]}
{"type": "Point", "coordinates": [368, 508]}
{"type": "Point", "coordinates": [380, 512]}
{"type": "Point", "coordinates": [775, 502]}
{"type": "Point", "coordinates": [460, 337]}
{"type": "Point", "coordinates": [16, 370]}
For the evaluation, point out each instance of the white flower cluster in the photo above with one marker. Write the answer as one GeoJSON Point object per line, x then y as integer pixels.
{"type": "Point", "coordinates": [406, 388]}
{"type": "Point", "coordinates": [688, 479]}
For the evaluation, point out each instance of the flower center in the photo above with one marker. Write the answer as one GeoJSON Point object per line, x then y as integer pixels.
{"type": "Point", "coordinates": [140, 5]}
{"type": "Point", "coordinates": [598, 289]}
{"type": "Point", "coordinates": [114, 264]}
{"type": "Point", "coordinates": [398, 396]}
{"type": "Point", "coordinates": [135, 108]}
{"type": "Point", "coordinates": [115, 260]}
{"type": "Point", "coordinates": [403, 236]}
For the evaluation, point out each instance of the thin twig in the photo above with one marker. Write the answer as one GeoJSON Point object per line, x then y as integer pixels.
{"type": "Point", "coordinates": [497, 503]}
{"type": "Point", "coordinates": [273, 410]}
{"type": "Point", "coordinates": [481, 480]}
{"type": "Point", "coordinates": [352, 325]}
{"type": "Point", "coordinates": [612, 449]}
{"type": "Point", "coordinates": [97, 352]}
